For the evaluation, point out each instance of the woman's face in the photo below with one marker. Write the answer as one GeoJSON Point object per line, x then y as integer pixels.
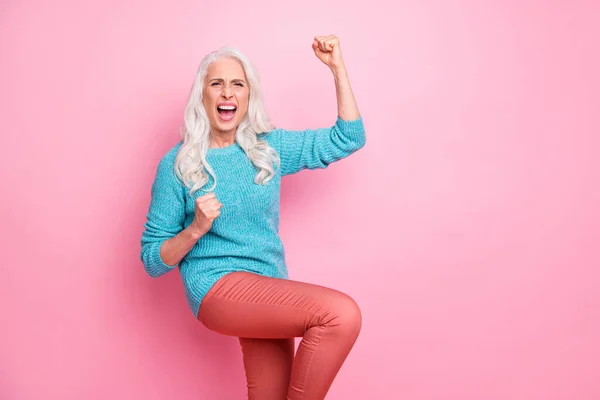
{"type": "Point", "coordinates": [225, 95]}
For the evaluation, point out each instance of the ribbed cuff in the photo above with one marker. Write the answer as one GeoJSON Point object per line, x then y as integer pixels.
{"type": "Point", "coordinates": [156, 261]}
{"type": "Point", "coordinates": [354, 129]}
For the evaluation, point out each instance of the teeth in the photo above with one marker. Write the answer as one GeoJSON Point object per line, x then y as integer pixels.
{"type": "Point", "coordinates": [226, 107]}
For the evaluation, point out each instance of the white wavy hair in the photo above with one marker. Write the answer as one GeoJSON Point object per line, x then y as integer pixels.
{"type": "Point", "coordinates": [190, 163]}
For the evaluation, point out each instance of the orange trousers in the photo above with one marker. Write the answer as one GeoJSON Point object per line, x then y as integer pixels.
{"type": "Point", "coordinates": [267, 314]}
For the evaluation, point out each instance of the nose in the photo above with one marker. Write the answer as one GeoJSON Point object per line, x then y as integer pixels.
{"type": "Point", "coordinates": [226, 92]}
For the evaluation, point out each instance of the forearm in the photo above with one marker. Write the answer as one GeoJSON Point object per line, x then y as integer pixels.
{"type": "Point", "coordinates": [347, 107]}
{"type": "Point", "coordinates": [174, 249]}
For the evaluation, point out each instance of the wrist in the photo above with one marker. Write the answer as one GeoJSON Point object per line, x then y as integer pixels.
{"type": "Point", "coordinates": [339, 70]}
{"type": "Point", "coordinates": [195, 232]}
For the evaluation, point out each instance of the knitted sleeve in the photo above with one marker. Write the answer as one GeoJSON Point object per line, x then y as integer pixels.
{"type": "Point", "coordinates": [317, 148]}
{"type": "Point", "coordinates": [165, 216]}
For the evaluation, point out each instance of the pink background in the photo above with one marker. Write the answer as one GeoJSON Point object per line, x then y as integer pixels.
{"type": "Point", "coordinates": [467, 228]}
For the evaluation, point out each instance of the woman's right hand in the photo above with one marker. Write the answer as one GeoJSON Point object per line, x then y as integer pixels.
{"type": "Point", "coordinates": [207, 210]}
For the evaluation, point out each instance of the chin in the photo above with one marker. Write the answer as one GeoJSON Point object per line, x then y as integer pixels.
{"type": "Point", "coordinates": [225, 127]}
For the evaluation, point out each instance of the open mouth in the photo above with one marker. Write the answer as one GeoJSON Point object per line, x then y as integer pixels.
{"type": "Point", "coordinates": [226, 112]}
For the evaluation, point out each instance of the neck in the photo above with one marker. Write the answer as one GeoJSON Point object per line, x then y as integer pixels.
{"type": "Point", "coordinates": [221, 140]}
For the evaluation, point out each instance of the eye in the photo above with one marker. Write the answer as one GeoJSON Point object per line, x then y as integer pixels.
{"type": "Point", "coordinates": [215, 83]}
{"type": "Point", "coordinates": [240, 84]}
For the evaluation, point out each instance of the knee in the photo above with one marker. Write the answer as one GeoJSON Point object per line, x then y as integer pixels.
{"type": "Point", "coordinates": [347, 315]}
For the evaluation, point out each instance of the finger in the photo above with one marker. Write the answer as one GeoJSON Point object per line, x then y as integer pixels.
{"type": "Point", "coordinates": [212, 202]}
{"type": "Point", "coordinates": [206, 197]}
{"type": "Point", "coordinates": [321, 45]}
{"type": "Point", "coordinates": [208, 205]}
{"type": "Point", "coordinates": [208, 213]}
{"type": "Point", "coordinates": [333, 40]}
{"type": "Point", "coordinates": [318, 41]}
{"type": "Point", "coordinates": [324, 42]}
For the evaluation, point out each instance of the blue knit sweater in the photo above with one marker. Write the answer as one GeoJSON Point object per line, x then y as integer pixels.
{"type": "Point", "coordinates": [245, 235]}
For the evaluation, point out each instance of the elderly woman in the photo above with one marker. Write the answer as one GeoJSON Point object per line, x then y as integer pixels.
{"type": "Point", "coordinates": [214, 213]}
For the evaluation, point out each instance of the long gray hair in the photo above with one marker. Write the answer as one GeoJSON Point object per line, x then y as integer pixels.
{"type": "Point", "coordinates": [190, 163]}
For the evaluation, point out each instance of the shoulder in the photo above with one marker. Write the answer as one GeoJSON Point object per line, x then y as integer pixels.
{"type": "Point", "coordinates": [172, 152]}
{"type": "Point", "coordinates": [165, 170]}
{"type": "Point", "coordinates": [168, 158]}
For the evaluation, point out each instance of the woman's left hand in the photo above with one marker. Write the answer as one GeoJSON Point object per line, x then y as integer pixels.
{"type": "Point", "coordinates": [327, 49]}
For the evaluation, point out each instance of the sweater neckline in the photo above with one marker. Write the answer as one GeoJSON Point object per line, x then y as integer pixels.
{"type": "Point", "coordinates": [223, 150]}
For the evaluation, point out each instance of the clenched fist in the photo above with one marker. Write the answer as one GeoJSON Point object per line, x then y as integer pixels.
{"type": "Point", "coordinates": [207, 210]}
{"type": "Point", "coordinates": [327, 49]}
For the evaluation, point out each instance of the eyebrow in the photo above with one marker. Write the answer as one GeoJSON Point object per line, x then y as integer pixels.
{"type": "Point", "coordinates": [221, 79]}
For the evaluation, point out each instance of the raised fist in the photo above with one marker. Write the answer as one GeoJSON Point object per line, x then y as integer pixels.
{"type": "Point", "coordinates": [208, 208]}
{"type": "Point", "coordinates": [327, 49]}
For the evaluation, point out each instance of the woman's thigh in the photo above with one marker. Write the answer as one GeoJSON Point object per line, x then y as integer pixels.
{"type": "Point", "coordinates": [249, 305]}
